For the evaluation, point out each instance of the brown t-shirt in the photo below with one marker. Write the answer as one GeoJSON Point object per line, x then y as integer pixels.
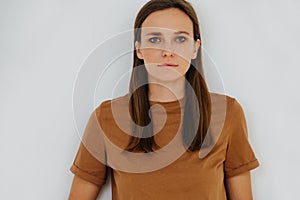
{"type": "Point", "coordinates": [171, 172]}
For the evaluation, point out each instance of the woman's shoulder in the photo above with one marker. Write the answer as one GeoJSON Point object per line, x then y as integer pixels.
{"type": "Point", "coordinates": [117, 101]}
{"type": "Point", "coordinates": [229, 101]}
{"type": "Point", "coordinates": [113, 106]}
{"type": "Point", "coordinates": [226, 109]}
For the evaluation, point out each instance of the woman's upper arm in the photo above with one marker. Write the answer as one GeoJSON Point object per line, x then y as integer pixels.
{"type": "Point", "coordinates": [239, 187]}
{"type": "Point", "coordinates": [83, 190]}
{"type": "Point", "coordinates": [89, 165]}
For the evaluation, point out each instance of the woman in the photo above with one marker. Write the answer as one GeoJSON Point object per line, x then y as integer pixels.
{"type": "Point", "coordinates": [173, 153]}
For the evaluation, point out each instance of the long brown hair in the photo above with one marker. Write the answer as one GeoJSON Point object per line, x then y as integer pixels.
{"type": "Point", "coordinates": [139, 105]}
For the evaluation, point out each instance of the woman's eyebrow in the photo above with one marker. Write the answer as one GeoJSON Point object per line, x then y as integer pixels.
{"type": "Point", "coordinates": [159, 33]}
{"type": "Point", "coordinates": [154, 33]}
{"type": "Point", "coordinates": [179, 32]}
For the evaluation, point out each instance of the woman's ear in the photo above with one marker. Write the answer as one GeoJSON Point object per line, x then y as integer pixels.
{"type": "Point", "coordinates": [138, 50]}
{"type": "Point", "coordinates": [196, 48]}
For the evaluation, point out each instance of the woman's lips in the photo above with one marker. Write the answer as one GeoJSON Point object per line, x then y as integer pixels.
{"type": "Point", "coordinates": [167, 65]}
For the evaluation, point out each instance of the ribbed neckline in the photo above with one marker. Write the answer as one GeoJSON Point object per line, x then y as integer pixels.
{"type": "Point", "coordinates": [169, 104]}
{"type": "Point", "coordinates": [166, 103]}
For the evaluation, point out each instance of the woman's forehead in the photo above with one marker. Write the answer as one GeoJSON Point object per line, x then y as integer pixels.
{"type": "Point", "coordinates": [168, 20]}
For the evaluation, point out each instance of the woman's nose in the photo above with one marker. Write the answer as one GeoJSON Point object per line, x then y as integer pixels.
{"type": "Point", "coordinates": [167, 50]}
{"type": "Point", "coordinates": [167, 53]}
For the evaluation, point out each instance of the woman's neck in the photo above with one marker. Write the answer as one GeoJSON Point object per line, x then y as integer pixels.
{"type": "Point", "coordinates": [166, 91]}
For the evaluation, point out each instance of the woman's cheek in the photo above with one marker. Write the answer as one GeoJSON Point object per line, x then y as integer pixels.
{"type": "Point", "coordinates": [184, 53]}
{"type": "Point", "coordinates": [152, 55]}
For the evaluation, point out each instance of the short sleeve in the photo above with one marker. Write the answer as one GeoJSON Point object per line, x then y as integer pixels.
{"type": "Point", "coordinates": [240, 156]}
{"type": "Point", "coordinates": [89, 163]}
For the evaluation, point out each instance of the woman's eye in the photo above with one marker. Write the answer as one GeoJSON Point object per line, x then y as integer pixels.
{"type": "Point", "coordinates": [180, 39]}
{"type": "Point", "coordinates": [154, 40]}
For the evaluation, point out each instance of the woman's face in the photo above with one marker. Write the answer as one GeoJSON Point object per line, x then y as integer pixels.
{"type": "Point", "coordinates": [167, 45]}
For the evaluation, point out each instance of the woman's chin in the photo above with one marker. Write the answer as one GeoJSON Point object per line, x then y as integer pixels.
{"type": "Point", "coordinates": [165, 77]}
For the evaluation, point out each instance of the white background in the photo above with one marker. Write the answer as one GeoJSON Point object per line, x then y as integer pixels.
{"type": "Point", "coordinates": [44, 43]}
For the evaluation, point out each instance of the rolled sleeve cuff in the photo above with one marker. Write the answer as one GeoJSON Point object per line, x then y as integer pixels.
{"type": "Point", "coordinates": [243, 168]}
{"type": "Point", "coordinates": [86, 176]}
